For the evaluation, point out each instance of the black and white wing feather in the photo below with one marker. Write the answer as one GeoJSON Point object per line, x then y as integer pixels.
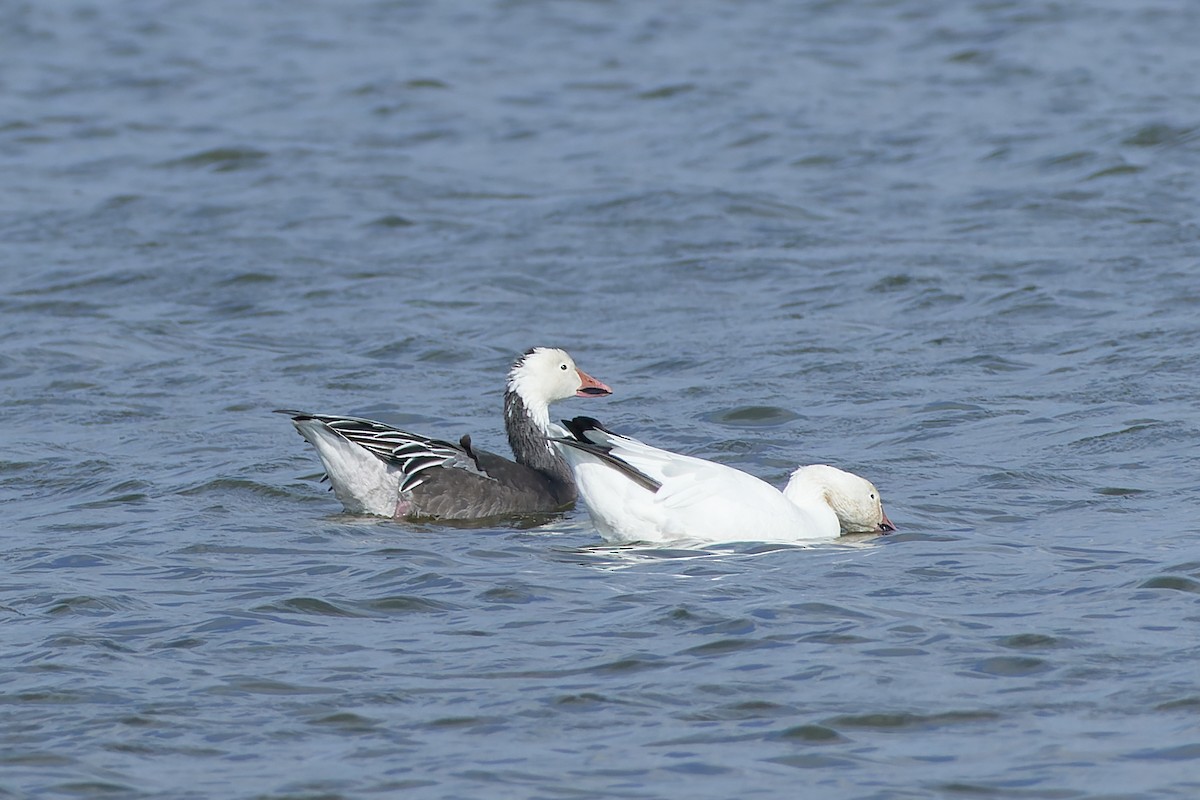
{"type": "Point", "coordinates": [414, 455]}
{"type": "Point", "coordinates": [589, 436]}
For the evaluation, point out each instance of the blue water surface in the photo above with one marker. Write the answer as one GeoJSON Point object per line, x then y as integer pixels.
{"type": "Point", "coordinates": [952, 246]}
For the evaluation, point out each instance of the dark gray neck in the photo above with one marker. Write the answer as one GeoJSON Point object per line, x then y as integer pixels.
{"type": "Point", "coordinates": [529, 445]}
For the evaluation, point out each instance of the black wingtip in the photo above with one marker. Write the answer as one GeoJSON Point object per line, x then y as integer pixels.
{"type": "Point", "coordinates": [293, 413]}
{"type": "Point", "coordinates": [578, 426]}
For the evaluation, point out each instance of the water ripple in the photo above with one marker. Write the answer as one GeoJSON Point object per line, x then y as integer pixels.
{"type": "Point", "coordinates": [943, 245]}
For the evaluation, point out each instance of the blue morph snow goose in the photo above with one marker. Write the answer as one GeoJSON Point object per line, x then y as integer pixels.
{"type": "Point", "coordinates": [374, 468]}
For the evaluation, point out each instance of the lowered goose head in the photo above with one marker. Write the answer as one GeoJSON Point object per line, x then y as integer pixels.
{"type": "Point", "coordinates": [855, 500]}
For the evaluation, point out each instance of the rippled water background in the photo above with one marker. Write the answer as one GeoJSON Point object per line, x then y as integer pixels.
{"type": "Point", "coordinates": [950, 245]}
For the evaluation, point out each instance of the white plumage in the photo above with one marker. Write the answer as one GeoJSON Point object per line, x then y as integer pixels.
{"type": "Point", "coordinates": [639, 493]}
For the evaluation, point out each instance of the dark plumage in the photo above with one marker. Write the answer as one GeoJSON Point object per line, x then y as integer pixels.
{"type": "Point", "coordinates": [377, 469]}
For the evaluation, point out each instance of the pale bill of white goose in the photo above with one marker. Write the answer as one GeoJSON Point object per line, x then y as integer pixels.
{"type": "Point", "coordinates": [638, 493]}
{"type": "Point", "coordinates": [374, 468]}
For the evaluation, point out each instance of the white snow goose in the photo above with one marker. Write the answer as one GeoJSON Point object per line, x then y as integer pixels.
{"type": "Point", "coordinates": [638, 493]}
{"type": "Point", "coordinates": [374, 468]}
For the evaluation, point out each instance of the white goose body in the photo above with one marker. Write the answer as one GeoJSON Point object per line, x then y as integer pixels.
{"type": "Point", "coordinates": [638, 493]}
{"type": "Point", "coordinates": [374, 468]}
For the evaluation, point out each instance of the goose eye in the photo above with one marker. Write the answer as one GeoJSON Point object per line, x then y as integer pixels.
{"type": "Point", "coordinates": [872, 497]}
{"type": "Point", "coordinates": [562, 367]}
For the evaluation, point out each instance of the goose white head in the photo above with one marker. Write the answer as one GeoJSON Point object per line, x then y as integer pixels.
{"type": "Point", "coordinates": [855, 500]}
{"type": "Point", "coordinates": [545, 374]}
